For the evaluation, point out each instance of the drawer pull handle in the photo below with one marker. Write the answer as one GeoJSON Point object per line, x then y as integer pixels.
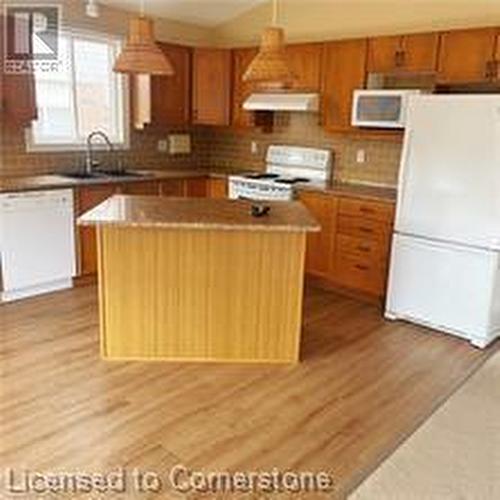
{"type": "Point", "coordinates": [365, 229]}
{"type": "Point", "coordinates": [361, 267]}
{"type": "Point", "coordinates": [367, 210]}
{"type": "Point", "coordinates": [363, 248]}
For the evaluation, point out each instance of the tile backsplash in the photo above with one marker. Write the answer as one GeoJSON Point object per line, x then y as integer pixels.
{"type": "Point", "coordinates": [229, 148]}
{"type": "Point", "coordinates": [223, 148]}
{"type": "Point", "coordinates": [143, 153]}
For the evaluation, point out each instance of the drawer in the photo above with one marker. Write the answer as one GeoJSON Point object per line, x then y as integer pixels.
{"type": "Point", "coordinates": [368, 248]}
{"type": "Point", "coordinates": [354, 207]}
{"type": "Point", "coordinates": [365, 229]}
{"type": "Point", "coordinates": [360, 273]}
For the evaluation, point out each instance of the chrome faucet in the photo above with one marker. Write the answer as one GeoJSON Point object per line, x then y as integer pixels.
{"type": "Point", "coordinates": [89, 161]}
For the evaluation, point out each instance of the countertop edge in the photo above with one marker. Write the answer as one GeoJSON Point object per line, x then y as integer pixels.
{"type": "Point", "coordinates": [201, 226]}
{"type": "Point", "coordinates": [364, 191]}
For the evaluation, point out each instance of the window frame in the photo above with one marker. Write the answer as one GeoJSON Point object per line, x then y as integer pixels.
{"type": "Point", "coordinates": [123, 103]}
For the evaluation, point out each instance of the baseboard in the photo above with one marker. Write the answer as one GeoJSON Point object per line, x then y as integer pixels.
{"type": "Point", "coordinates": [328, 284]}
{"type": "Point", "coordinates": [24, 293]}
{"type": "Point", "coordinates": [86, 280]}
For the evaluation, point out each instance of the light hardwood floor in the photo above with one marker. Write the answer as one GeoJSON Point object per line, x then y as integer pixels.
{"type": "Point", "coordinates": [362, 387]}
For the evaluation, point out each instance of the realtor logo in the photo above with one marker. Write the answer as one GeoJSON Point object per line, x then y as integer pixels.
{"type": "Point", "coordinates": [31, 37]}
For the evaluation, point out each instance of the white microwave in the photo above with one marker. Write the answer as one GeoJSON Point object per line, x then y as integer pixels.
{"type": "Point", "coordinates": [381, 108]}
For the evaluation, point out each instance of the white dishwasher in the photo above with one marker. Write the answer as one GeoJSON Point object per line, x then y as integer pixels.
{"type": "Point", "coordinates": [37, 243]}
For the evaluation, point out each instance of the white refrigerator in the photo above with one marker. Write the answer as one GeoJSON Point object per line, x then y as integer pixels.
{"type": "Point", "coordinates": [445, 259]}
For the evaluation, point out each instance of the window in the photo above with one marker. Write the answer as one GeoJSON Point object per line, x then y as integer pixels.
{"type": "Point", "coordinates": [83, 96]}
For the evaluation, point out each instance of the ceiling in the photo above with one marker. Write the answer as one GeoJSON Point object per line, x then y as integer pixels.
{"type": "Point", "coordinates": [207, 13]}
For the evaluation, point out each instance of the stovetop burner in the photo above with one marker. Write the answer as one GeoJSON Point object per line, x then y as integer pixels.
{"type": "Point", "coordinates": [293, 180]}
{"type": "Point", "coordinates": [261, 176]}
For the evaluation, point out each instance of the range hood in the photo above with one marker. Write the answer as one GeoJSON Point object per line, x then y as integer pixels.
{"type": "Point", "coordinates": [282, 102]}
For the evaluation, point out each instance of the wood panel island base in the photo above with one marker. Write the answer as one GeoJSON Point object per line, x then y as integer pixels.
{"type": "Point", "coordinates": [200, 279]}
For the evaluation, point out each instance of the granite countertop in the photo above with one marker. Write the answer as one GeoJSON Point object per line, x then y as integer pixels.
{"type": "Point", "coordinates": [55, 181]}
{"type": "Point", "coordinates": [365, 191]}
{"type": "Point", "coordinates": [198, 213]}
{"type": "Point", "coordinates": [33, 183]}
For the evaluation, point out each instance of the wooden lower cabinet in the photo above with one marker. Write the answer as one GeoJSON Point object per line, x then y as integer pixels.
{"type": "Point", "coordinates": [173, 187]}
{"type": "Point", "coordinates": [320, 245]}
{"type": "Point", "coordinates": [141, 188]}
{"type": "Point", "coordinates": [217, 188]}
{"type": "Point", "coordinates": [87, 198]}
{"type": "Point", "coordinates": [352, 249]}
{"type": "Point", "coordinates": [196, 187]}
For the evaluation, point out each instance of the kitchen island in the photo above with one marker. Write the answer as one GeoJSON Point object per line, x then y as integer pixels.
{"type": "Point", "coordinates": [200, 279]}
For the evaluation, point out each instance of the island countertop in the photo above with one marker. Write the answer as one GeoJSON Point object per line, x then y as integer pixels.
{"type": "Point", "coordinates": [198, 213]}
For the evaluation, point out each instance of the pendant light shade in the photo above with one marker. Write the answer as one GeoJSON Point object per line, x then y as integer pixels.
{"type": "Point", "coordinates": [270, 68]}
{"type": "Point", "coordinates": [141, 55]}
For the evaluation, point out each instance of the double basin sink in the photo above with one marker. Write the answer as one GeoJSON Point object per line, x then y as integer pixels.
{"type": "Point", "coordinates": [104, 174]}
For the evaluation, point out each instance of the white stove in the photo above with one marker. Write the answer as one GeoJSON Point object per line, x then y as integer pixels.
{"type": "Point", "coordinates": [286, 168]}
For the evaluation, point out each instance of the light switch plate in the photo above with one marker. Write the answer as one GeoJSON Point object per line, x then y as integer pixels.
{"type": "Point", "coordinates": [179, 144]}
{"type": "Point", "coordinates": [360, 156]}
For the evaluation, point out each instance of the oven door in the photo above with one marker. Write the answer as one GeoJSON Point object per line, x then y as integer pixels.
{"type": "Point", "coordinates": [380, 108]}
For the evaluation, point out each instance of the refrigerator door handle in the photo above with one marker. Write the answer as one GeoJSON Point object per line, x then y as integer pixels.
{"type": "Point", "coordinates": [402, 172]}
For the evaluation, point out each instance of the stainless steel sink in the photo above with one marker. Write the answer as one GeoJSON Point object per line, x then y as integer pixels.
{"type": "Point", "coordinates": [121, 173]}
{"type": "Point", "coordinates": [104, 174]}
{"type": "Point", "coordinates": [83, 175]}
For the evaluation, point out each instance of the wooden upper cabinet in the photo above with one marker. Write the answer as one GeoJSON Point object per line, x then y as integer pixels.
{"type": "Point", "coordinates": [241, 90]}
{"type": "Point", "coordinates": [171, 95]}
{"type": "Point", "coordinates": [409, 53]}
{"type": "Point", "coordinates": [344, 71]}
{"type": "Point", "coordinates": [420, 52]}
{"type": "Point", "coordinates": [211, 86]}
{"type": "Point", "coordinates": [468, 55]}
{"type": "Point", "coordinates": [383, 53]}
{"type": "Point", "coordinates": [305, 63]}
{"type": "Point", "coordinates": [496, 63]}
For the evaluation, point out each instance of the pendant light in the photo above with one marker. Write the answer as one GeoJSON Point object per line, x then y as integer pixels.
{"type": "Point", "coordinates": [141, 55]}
{"type": "Point", "coordinates": [270, 69]}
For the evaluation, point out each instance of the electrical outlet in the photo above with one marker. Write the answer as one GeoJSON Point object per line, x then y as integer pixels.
{"type": "Point", "coordinates": [162, 145]}
{"type": "Point", "coordinates": [360, 156]}
{"type": "Point", "coordinates": [254, 147]}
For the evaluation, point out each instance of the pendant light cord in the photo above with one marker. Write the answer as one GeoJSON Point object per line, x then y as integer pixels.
{"type": "Point", "coordinates": [275, 12]}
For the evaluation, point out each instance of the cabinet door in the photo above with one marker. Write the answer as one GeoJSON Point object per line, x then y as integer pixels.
{"type": "Point", "coordinates": [88, 198]}
{"type": "Point", "coordinates": [420, 52]}
{"type": "Point", "coordinates": [344, 71]}
{"type": "Point", "coordinates": [496, 67]}
{"type": "Point", "coordinates": [409, 53]}
{"type": "Point", "coordinates": [241, 90]}
{"type": "Point", "coordinates": [196, 187]}
{"type": "Point", "coordinates": [171, 95]}
{"type": "Point", "coordinates": [320, 246]}
{"type": "Point", "coordinates": [211, 86]}
{"type": "Point", "coordinates": [305, 63]}
{"type": "Point", "coordinates": [141, 188]}
{"type": "Point", "coordinates": [466, 55]}
{"type": "Point", "coordinates": [383, 53]}
{"type": "Point", "coordinates": [217, 188]}
{"type": "Point", "coordinates": [173, 187]}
